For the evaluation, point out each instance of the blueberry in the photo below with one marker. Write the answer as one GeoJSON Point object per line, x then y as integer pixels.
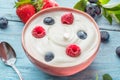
{"type": "Point", "coordinates": [93, 10]}
{"type": "Point", "coordinates": [49, 21]}
{"type": "Point", "coordinates": [97, 10]}
{"type": "Point", "coordinates": [104, 36]}
{"type": "Point", "coordinates": [93, 1]}
{"type": "Point", "coordinates": [49, 56]}
{"type": "Point", "coordinates": [3, 23]}
{"type": "Point", "coordinates": [81, 34]}
{"type": "Point", "coordinates": [118, 51]}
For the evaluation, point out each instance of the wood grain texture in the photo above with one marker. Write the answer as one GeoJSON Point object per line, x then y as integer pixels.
{"type": "Point", "coordinates": [105, 62]}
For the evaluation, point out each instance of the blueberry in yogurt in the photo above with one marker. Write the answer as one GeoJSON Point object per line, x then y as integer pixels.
{"type": "Point", "coordinates": [48, 21]}
{"type": "Point", "coordinates": [82, 34]}
{"type": "Point", "coordinates": [49, 56]}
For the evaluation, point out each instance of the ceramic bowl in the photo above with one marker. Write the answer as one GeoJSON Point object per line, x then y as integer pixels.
{"type": "Point", "coordinates": [53, 70]}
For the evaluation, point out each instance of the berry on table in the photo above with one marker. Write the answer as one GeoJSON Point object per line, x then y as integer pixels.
{"type": "Point", "coordinates": [73, 50]}
{"type": "Point", "coordinates": [67, 18]}
{"type": "Point", "coordinates": [38, 32]}
{"type": "Point", "coordinates": [93, 1]}
{"type": "Point", "coordinates": [93, 10]}
{"type": "Point", "coordinates": [118, 51]}
{"type": "Point", "coordinates": [49, 4]}
{"type": "Point", "coordinates": [49, 56]}
{"type": "Point", "coordinates": [3, 22]}
{"type": "Point", "coordinates": [25, 11]}
{"type": "Point", "coordinates": [97, 10]}
{"type": "Point", "coordinates": [49, 21]}
{"type": "Point", "coordinates": [81, 34]}
{"type": "Point", "coordinates": [104, 36]}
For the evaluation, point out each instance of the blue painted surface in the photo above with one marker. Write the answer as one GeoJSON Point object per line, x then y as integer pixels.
{"type": "Point", "coordinates": [105, 62]}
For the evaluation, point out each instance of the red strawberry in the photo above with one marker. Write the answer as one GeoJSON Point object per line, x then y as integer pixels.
{"type": "Point", "coordinates": [25, 11]}
{"type": "Point", "coordinates": [49, 3]}
{"type": "Point", "coordinates": [67, 18]}
{"type": "Point", "coordinates": [73, 50]}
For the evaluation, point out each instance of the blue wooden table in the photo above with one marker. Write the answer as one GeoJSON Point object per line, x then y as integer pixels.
{"type": "Point", "coordinates": [105, 62]}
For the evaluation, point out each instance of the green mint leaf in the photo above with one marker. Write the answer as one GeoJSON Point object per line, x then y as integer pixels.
{"type": "Point", "coordinates": [107, 15]}
{"type": "Point", "coordinates": [102, 2]}
{"type": "Point", "coordinates": [107, 77]}
{"type": "Point", "coordinates": [114, 12]}
{"type": "Point", "coordinates": [81, 5]}
{"type": "Point", "coordinates": [112, 7]}
{"type": "Point", "coordinates": [117, 17]}
{"type": "Point", "coordinates": [96, 77]}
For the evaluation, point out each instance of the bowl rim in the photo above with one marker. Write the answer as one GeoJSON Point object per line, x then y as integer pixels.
{"type": "Point", "coordinates": [53, 9]}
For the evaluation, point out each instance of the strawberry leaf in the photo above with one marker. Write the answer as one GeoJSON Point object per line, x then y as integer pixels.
{"type": "Point", "coordinates": [21, 2]}
{"type": "Point", "coordinates": [38, 4]}
{"type": "Point", "coordinates": [81, 5]}
{"type": "Point", "coordinates": [107, 77]}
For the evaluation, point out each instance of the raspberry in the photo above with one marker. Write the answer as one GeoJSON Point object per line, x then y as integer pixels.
{"type": "Point", "coordinates": [38, 32]}
{"type": "Point", "coordinates": [73, 50]}
{"type": "Point", "coordinates": [67, 18]}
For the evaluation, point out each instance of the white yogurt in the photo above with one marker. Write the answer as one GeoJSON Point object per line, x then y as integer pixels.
{"type": "Point", "coordinates": [59, 36]}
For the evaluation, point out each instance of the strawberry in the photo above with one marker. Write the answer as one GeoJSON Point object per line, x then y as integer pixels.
{"type": "Point", "coordinates": [49, 3]}
{"type": "Point", "coordinates": [25, 11]}
{"type": "Point", "coordinates": [27, 8]}
{"type": "Point", "coordinates": [43, 4]}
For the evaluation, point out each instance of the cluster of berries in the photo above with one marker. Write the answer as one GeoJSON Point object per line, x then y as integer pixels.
{"type": "Point", "coordinates": [27, 8]}
{"type": "Point", "coordinates": [93, 9]}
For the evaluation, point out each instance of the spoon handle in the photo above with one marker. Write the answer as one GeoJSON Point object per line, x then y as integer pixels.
{"type": "Point", "coordinates": [16, 70]}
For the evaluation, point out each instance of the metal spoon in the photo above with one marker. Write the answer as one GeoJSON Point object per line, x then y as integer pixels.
{"type": "Point", "coordinates": [8, 56]}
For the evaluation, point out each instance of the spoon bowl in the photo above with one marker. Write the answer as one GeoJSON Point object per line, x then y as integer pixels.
{"type": "Point", "coordinates": [8, 56]}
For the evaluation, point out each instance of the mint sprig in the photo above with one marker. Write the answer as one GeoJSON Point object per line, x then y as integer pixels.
{"type": "Point", "coordinates": [104, 77]}
{"type": "Point", "coordinates": [81, 5]}
{"type": "Point", "coordinates": [109, 11]}
{"type": "Point", "coordinates": [113, 12]}
{"type": "Point", "coordinates": [107, 77]}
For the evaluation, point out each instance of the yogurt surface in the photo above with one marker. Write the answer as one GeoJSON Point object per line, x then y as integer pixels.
{"type": "Point", "coordinates": [59, 36]}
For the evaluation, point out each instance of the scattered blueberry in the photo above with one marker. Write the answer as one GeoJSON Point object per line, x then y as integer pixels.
{"type": "Point", "coordinates": [118, 51]}
{"type": "Point", "coordinates": [104, 36]}
{"type": "Point", "coordinates": [93, 1]}
{"type": "Point", "coordinates": [49, 21]}
{"type": "Point", "coordinates": [93, 10]}
{"type": "Point", "coordinates": [49, 56]}
{"type": "Point", "coordinates": [81, 34]}
{"type": "Point", "coordinates": [3, 23]}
